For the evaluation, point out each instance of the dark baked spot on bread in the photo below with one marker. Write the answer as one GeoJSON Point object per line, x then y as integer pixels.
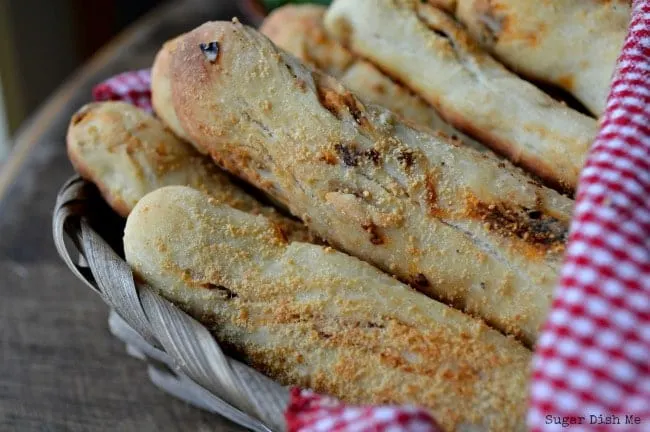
{"type": "Point", "coordinates": [348, 153]}
{"type": "Point", "coordinates": [406, 158]}
{"type": "Point", "coordinates": [373, 155]}
{"type": "Point", "coordinates": [340, 104]}
{"type": "Point", "coordinates": [227, 293]}
{"type": "Point", "coordinates": [375, 236]}
{"type": "Point", "coordinates": [532, 226]}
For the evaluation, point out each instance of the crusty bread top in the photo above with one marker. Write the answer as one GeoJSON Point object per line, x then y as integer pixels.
{"type": "Point", "coordinates": [298, 29]}
{"type": "Point", "coordinates": [308, 315]}
{"type": "Point", "coordinates": [478, 232]}
{"type": "Point", "coordinates": [571, 44]}
{"type": "Point", "coordinates": [427, 50]}
{"type": "Point", "coordinates": [128, 153]}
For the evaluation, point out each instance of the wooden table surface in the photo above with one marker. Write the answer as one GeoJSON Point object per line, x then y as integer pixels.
{"type": "Point", "coordinates": [60, 369]}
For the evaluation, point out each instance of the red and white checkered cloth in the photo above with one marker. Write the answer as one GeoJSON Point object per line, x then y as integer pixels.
{"type": "Point", "coordinates": [310, 412]}
{"type": "Point", "coordinates": [592, 361]}
{"type": "Point", "coordinates": [132, 87]}
{"type": "Point", "coordinates": [593, 357]}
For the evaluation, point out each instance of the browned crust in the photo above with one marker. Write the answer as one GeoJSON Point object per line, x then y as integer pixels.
{"type": "Point", "coordinates": [242, 145]}
{"type": "Point", "coordinates": [393, 347]}
{"type": "Point", "coordinates": [545, 170]}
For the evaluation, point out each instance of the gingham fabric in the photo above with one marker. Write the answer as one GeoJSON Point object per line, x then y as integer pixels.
{"type": "Point", "coordinates": [591, 369]}
{"type": "Point", "coordinates": [593, 356]}
{"type": "Point", "coordinates": [133, 87]}
{"type": "Point", "coordinates": [310, 412]}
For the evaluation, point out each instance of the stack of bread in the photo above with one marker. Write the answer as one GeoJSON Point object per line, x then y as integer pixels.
{"type": "Point", "coordinates": [415, 181]}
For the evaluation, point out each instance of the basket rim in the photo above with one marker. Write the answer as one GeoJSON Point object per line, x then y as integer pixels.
{"type": "Point", "coordinates": [155, 328]}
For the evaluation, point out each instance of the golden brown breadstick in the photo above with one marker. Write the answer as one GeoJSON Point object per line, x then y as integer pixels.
{"type": "Point", "coordinates": [298, 29]}
{"type": "Point", "coordinates": [458, 224]}
{"type": "Point", "coordinates": [571, 44]}
{"type": "Point", "coordinates": [427, 50]}
{"type": "Point", "coordinates": [310, 316]}
{"type": "Point", "coordinates": [128, 153]}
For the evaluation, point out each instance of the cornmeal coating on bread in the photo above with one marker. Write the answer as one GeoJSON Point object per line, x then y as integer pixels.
{"type": "Point", "coordinates": [571, 44]}
{"type": "Point", "coordinates": [298, 29]}
{"type": "Point", "coordinates": [310, 316]}
{"type": "Point", "coordinates": [428, 51]}
{"type": "Point", "coordinates": [128, 153]}
{"type": "Point", "coordinates": [460, 225]}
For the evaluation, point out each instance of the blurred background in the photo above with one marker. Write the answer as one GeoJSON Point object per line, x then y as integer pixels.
{"type": "Point", "coordinates": [43, 41]}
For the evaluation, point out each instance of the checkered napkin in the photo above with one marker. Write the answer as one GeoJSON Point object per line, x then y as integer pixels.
{"type": "Point", "coordinates": [132, 87]}
{"type": "Point", "coordinates": [593, 357]}
{"type": "Point", "coordinates": [591, 366]}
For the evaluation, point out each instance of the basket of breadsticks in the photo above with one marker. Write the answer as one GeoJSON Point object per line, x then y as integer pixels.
{"type": "Point", "coordinates": [365, 205]}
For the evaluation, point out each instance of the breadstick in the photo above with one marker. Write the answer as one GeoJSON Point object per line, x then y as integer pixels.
{"type": "Point", "coordinates": [161, 89]}
{"type": "Point", "coordinates": [428, 51]}
{"type": "Point", "coordinates": [127, 153]}
{"type": "Point", "coordinates": [571, 44]}
{"type": "Point", "coordinates": [299, 30]}
{"type": "Point", "coordinates": [310, 316]}
{"type": "Point", "coordinates": [458, 224]}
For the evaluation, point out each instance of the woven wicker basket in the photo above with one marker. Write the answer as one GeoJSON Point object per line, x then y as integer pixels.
{"type": "Point", "coordinates": [182, 357]}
